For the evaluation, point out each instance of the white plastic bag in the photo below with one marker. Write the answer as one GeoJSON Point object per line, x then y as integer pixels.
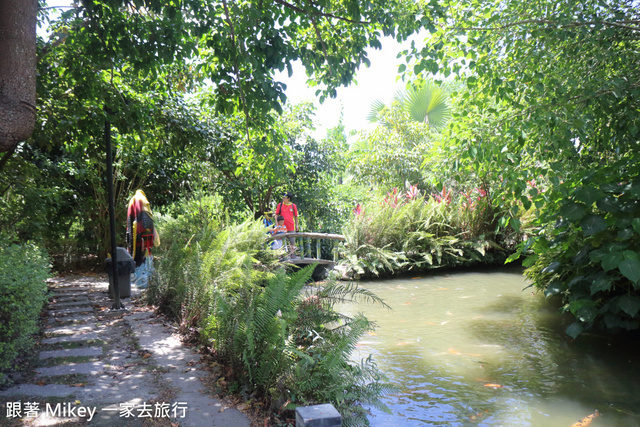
{"type": "Point", "coordinates": [143, 273]}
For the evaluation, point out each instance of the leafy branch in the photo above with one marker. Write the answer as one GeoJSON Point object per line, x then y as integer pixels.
{"type": "Point", "coordinates": [557, 24]}
{"type": "Point", "coordinates": [318, 13]}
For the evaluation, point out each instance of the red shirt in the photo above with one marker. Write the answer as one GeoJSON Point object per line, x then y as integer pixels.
{"type": "Point", "coordinates": [289, 212]}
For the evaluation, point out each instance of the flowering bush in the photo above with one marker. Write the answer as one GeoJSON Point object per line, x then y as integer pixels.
{"type": "Point", "coordinates": [409, 230]}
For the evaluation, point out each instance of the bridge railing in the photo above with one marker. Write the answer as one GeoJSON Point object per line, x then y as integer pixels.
{"type": "Point", "coordinates": [306, 238]}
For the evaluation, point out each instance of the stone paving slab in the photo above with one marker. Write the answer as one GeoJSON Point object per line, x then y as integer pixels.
{"type": "Point", "coordinates": [71, 310]}
{"type": "Point", "coordinates": [65, 304]}
{"type": "Point", "coordinates": [88, 368]}
{"type": "Point", "coordinates": [71, 338]}
{"type": "Point", "coordinates": [69, 330]}
{"type": "Point", "coordinates": [60, 293]}
{"type": "Point", "coordinates": [66, 289]}
{"type": "Point", "coordinates": [75, 319]}
{"type": "Point", "coordinates": [70, 297]}
{"type": "Point", "coordinates": [168, 352]}
{"type": "Point", "coordinates": [72, 352]}
{"type": "Point", "coordinates": [123, 375]}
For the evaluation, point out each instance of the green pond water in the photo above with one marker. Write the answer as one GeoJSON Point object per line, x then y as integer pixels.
{"type": "Point", "coordinates": [476, 348]}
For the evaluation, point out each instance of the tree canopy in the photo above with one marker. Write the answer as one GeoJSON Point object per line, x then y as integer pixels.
{"type": "Point", "coordinates": [550, 115]}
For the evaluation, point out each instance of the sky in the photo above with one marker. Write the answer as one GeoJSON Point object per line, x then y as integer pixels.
{"type": "Point", "coordinates": [379, 81]}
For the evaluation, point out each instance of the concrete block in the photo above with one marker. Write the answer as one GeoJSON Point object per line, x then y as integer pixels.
{"type": "Point", "coordinates": [318, 416]}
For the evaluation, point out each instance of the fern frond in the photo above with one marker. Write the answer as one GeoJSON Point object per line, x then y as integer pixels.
{"type": "Point", "coordinates": [349, 292]}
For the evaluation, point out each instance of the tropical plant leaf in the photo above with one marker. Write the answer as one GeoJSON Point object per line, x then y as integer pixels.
{"type": "Point", "coordinates": [630, 304]}
{"type": "Point", "coordinates": [602, 283]}
{"type": "Point", "coordinates": [573, 211]}
{"type": "Point", "coordinates": [592, 224]}
{"type": "Point", "coordinates": [375, 109]}
{"type": "Point", "coordinates": [611, 260]}
{"type": "Point", "coordinates": [630, 268]}
{"type": "Point", "coordinates": [589, 195]}
{"type": "Point", "coordinates": [574, 329]}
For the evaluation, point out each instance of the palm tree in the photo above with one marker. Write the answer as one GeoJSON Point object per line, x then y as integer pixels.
{"type": "Point", "coordinates": [426, 102]}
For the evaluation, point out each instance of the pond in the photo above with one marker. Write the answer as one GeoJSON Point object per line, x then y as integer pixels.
{"type": "Point", "coordinates": [477, 348]}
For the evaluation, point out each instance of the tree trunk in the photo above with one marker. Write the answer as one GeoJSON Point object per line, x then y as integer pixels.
{"type": "Point", "coordinates": [18, 20]}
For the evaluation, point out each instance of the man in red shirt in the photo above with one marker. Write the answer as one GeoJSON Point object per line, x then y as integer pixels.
{"type": "Point", "coordinates": [290, 213]}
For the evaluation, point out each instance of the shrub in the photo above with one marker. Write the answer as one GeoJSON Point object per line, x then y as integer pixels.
{"type": "Point", "coordinates": [284, 340]}
{"type": "Point", "coordinates": [410, 231]}
{"type": "Point", "coordinates": [24, 269]}
{"type": "Point", "coordinates": [590, 256]}
{"type": "Point", "coordinates": [291, 345]}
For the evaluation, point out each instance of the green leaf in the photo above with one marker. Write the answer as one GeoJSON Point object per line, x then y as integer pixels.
{"type": "Point", "coordinates": [554, 288]}
{"type": "Point", "coordinates": [626, 234]}
{"type": "Point", "coordinates": [602, 283]}
{"type": "Point", "coordinates": [573, 211]}
{"type": "Point", "coordinates": [574, 329]}
{"type": "Point", "coordinates": [608, 204]}
{"type": "Point", "coordinates": [630, 268]}
{"type": "Point", "coordinates": [514, 256]}
{"type": "Point", "coordinates": [589, 195]}
{"type": "Point", "coordinates": [636, 225]}
{"type": "Point", "coordinates": [551, 268]}
{"type": "Point", "coordinates": [587, 314]}
{"type": "Point", "coordinates": [593, 224]}
{"type": "Point", "coordinates": [611, 260]}
{"type": "Point", "coordinates": [630, 304]}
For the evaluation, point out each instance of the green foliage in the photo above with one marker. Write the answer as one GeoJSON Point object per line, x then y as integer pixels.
{"type": "Point", "coordinates": [556, 106]}
{"type": "Point", "coordinates": [292, 346]}
{"type": "Point", "coordinates": [133, 64]}
{"type": "Point", "coordinates": [198, 244]}
{"type": "Point", "coordinates": [590, 258]}
{"type": "Point", "coordinates": [284, 339]}
{"type": "Point", "coordinates": [393, 153]}
{"type": "Point", "coordinates": [408, 231]}
{"type": "Point", "coordinates": [424, 101]}
{"type": "Point", "coordinates": [24, 269]}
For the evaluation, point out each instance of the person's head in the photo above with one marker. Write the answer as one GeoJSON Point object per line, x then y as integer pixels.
{"type": "Point", "coordinates": [280, 220]}
{"type": "Point", "coordinates": [287, 196]}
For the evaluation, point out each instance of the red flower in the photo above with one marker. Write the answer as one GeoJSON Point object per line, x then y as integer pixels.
{"type": "Point", "coordinates": [443, 196]}
{"type": "Point", "coordinates": [412, 192]}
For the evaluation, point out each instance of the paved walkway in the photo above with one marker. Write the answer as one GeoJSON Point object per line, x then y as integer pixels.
{"type": "Point", "coordinates": [98, 367]}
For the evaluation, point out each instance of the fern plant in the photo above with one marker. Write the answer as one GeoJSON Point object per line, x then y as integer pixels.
{"type": "Point", "coordinates": [285, 339]}
{"type": "Point", "coordinates": [288, 343]}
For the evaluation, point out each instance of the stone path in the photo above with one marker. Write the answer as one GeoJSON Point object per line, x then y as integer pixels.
{"type": "Point", "coordinates": [101, 367]}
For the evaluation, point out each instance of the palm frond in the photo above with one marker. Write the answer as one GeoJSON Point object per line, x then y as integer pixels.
{"type": "Point", "coordinates": [374, 111]}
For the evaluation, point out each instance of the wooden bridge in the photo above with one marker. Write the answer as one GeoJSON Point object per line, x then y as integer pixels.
{"type": "Point", "coordinates": [305, 247]}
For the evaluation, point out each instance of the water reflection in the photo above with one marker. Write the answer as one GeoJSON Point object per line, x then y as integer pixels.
{"type": "Point", "coordinates": [480, 349]}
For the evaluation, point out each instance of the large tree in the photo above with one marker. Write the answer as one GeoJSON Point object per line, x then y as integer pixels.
{"type": "Point", "coordinates": [130, 62]}
{"type": "Point", "coordinates": [17, 71]}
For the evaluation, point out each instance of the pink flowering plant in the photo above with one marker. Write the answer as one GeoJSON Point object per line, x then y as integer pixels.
{"type": "Point", "coordinates": [422, 229]}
